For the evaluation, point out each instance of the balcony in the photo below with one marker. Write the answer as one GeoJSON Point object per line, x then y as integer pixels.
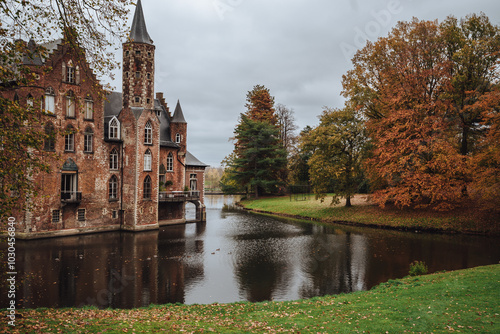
{"type": "Point", "coordinates": [178, 196]}
{"type": "Point", "coordinates": [71, 196]}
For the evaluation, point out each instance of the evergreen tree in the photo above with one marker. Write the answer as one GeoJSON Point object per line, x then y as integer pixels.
{"type": "Point", "coordinates": [259, 156]}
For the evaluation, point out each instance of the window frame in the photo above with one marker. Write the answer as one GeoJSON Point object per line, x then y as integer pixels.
{"type": "Point", "coordinates": [170, 162]}
{"type": "Point", "coordinates": [88, 140]}
{"type": "Point", "coordinates": [49, 104]}
{"type": "Point", "coordinates": [148, 133]}
{"type": "Point", "coordinates": [114, 128]}
{"type": "Point", "coordinates": [114, 159]}
{"type": "Point", "coordinates": [147, 188]}
{"type": "Point", "coordinates": [148, 161]}
{"type": "Point", "coordinates": [113, 188]}
{"type": "Point", "coordinates": [89, 109]}
{"type": "Point", "coordinates": [70, 104]}
{"type": "Point", "coordinates": [69, 139]}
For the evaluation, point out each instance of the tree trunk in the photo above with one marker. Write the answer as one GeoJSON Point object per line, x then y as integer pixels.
{"type": "Point", "coordinates": [348, 201]}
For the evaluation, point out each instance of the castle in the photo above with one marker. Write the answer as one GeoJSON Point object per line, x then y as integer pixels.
{"type": "Point", "coordinates": [121, 161]}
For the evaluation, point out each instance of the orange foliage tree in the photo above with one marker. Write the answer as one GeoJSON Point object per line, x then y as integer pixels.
{"type": "Point", "coordinates": [401, 83]}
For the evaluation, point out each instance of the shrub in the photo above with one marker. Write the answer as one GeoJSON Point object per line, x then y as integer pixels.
{"type": "Point", "coordinates": [418, 268]}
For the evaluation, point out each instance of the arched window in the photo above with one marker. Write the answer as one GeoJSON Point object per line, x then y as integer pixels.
{"type": "Point", "coordinates": [113, 188]}
{"type": "Point", "coordinates": [170, 162]}
{"type": "Point", "coordinates": [89, 108]}
{"type": "Point", "coordinates": [69, 139]}
{"type": "Point", "coordinates": [148, 133]}
{"type": "Point", "coordinates": [178, 138]}
{"type": "Point", "coordinates": [88, 138]}
{"type": "Point", "coordinates": [70, 104]}
{"type": "Point", "coordinates": [114, 128]}
{"type": "Point", "coordinates": [147, 187]}
{"type": "Point", "coordinates": [30, 100]}
{"type": "Point", "coordinates": [113, 159]}
{"type": "Point", "coordinates": [50, 138]}
{"type": "Point", "coordinates": [50, 100]}
{"type": "Point", "coordinates": [147, 160]}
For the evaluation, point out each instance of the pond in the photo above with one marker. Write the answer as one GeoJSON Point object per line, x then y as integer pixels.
{"type": "Point", "coordinates": [234, 256]}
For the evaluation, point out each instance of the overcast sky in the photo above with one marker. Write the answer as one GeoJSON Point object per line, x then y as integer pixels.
{"type": "Point", "coordinates": [210, 53]}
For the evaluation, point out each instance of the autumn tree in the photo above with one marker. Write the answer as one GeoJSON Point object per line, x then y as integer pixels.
{"type": "Point", "coordinates": [400, 83]}
{"type": "Point", "coordinates": [258, 159]}
{"type": "Point", "coordinates": [472, 47]}
{"type": "Point", "coordinates": [339, 143]}
{"type": "Point", "coordinates": [298, 159]}
{"type": "Point", "coordinates": [89, 28]}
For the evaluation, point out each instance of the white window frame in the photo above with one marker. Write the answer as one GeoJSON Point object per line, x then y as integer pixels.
{"type": "Point", "coordinates": [69, 140]}
{"type": "Point", "coordinates": [88, 139]}
{"type": "Point", "coordinates": [70, 104]}
{"type": "Point", "coordinates": [114, 128]}
{"type": "Point", "coordinates": [50, 100]}
{"type": "Point", "coordinates": [178, 138]}
{"type": "Point", "coordinates": [148, 161]}
{"type": "Point", "coordinates": [113, 188]}
{"type": "Point", "coordinates": [148, 133]}
{"type": "Point", "coordinates": [170, 162]}
{"type": "Point", "coordinates": [89, 108]}
{"type": "Point", "coordinates": [113, 159]}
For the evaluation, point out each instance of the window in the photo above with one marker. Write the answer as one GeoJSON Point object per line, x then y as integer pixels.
{"type": "Point", "coordinates": [137, 53]}
{"type": "Point", "coordinates": [29, 100]}
{"type": "Point", "coordinates": [149, 75]}
{"type": "Point", "coordinates": [70, 74]}
{"type": "Point", "coordinates": [69, 139]}
{"type": "Point", "coordinates": [88, 139]}
{"type": "Point", "coordinates": [113, 159]}
{"type": "Point", "coordinates": [193, 182]}
{"type": "Point", "coordinates": [148, 133]}
{"type": "Point", "coordinates": [137, 99]}
{"type": "Point", "coordinates": [81, 215]}
{"type": "Point", "coordinates": [127, 53]}
{"type": "Point", "coordinates": [89, 108]}
{"type": "Point", "coordinates": [16, 98]}
{"type": "Point", "coordinates": [113, 188]}
{"type": "Point", "coordinates": [70, 104]}
{"type": "Point", "coordinates": [69, 187]}
{"type": "Point", "coordinates": [147, 187]}
{"type": "Point", "coordinates": [114, 129]}
{"type": "Point", "coordinates": [50, 97]}
{"type": "Point", "coordinates": [114, 214]}
{"type": "Point", "coordinates": [170, 163]}
{"type": "Point", "coordinates": [149, 54]}
{"type": "Point", "coordinates": [56, 214]}
{"type": "Point", "coordinates": [50, 138]}
{"type": "Point", "coordinates": [147, 160]}
{"type": "Point", "coordinates": [178, 138]}
{"type": "Point", "coordinates": [137, 75]}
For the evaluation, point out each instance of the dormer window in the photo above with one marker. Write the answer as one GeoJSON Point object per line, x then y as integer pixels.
{"type": "Point", "coordinates": [148, 133]}
{"type": "Point", "coordinates": [178, 138]}
{"type": "Point", "coordinates": [114, 129]}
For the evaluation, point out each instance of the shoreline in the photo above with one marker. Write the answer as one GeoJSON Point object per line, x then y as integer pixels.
{"type": "Point", "coordinates": [408, 221]}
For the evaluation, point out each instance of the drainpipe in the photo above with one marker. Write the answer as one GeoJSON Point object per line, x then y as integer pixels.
{"type": "Point", "coordinates": [121, 188]}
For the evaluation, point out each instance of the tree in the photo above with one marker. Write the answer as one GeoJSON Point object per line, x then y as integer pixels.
{"type": "Point", "coordinates": [287, 126]}
{"type": "Point", "coordinates": [260, 156]}
{"type": "Point", "coordinates": [87, 28]}
{"type": "Point", "coordinates": [472, 46]}
{"type": "Point", "coordinates": [298, 160]}
{"type": "Point", "coordinates": [260, 105]}
{"type": "Point", "coordinates": [402, 83]}
{"type": "Point", "coordinates": [339, 143]}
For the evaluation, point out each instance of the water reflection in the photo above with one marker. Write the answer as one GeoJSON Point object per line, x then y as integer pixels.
{"type": "Point", "coordinates": [234, 256]}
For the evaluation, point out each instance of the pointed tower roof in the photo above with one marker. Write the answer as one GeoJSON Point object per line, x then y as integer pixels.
{"type": "Point", "coordinates": [178, 115]}
{"type": "Point", "coordinates": [138, 32]}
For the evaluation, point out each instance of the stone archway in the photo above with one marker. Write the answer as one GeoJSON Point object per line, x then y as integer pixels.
{"type": "Point", "coordinates": [201, 213]}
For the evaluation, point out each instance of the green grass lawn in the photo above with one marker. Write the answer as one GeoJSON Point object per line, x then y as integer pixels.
{"type": "Point", "coordinates": [464, 219]}
{"type": "Point", "coordinates": [464, 301]}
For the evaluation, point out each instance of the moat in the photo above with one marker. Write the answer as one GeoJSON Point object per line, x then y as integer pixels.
{"type": "Point", "coordinates": [234, 256]}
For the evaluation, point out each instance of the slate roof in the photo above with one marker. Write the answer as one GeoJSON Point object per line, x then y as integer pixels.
{"type": "Point", "coordinates": [178, 114]}
{"type": "Point", "coordinates": [191, 160]}
{"type": "Point", "coordinates": [139, 32]}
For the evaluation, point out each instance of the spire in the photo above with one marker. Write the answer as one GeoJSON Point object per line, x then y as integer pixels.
{"type": "Point", "coordinates": [178, 115]}
{"type": "Point", "coordinates": [138, 32]}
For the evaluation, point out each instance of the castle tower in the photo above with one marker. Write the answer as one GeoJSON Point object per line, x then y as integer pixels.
{"type": "Point", "coordinates": [138, 65]}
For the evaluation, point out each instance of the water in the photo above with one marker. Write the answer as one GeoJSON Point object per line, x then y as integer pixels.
{"type": "Point", "coordinates": [234, 256]}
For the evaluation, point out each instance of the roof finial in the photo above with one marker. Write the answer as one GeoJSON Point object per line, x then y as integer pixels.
{"type": "Point", "coordinates": [138, 32]}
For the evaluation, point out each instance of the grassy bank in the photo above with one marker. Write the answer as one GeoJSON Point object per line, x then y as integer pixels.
{"type": "Point", "coordinates": [459, 301]}
{"type": "Point", "coordinates": [463, 220]}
